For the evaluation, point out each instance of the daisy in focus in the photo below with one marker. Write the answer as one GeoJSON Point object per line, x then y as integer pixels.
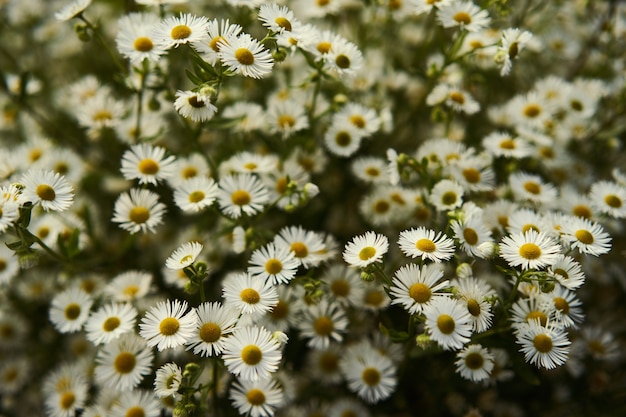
{"type": "Point", "coordinates": [475, 363]}
{"type": "Point", "coordinates": [252, 353]}
{"type": "Point", "coordinates": [185, 255]}
{"type": "Point", "coordinates": [545, 346]}
{"type": "Point", "coordinates": [168, 324]}
{"type": "Point", "coordinates": [241, 194]}
{"type": "Point", "coordinates": [147, 164]}
{"type": "Point", "coordinates": [47, 188]}
{"type": "Point", "coordinates": [530, 250]}
{"type": "Point", "coordinates": [427, 244]}
{"type": "Point", "coordinates": [414, 287]}
{"type": "Point", "coordinates": [366, 249]}
{"type": "Point", "coordinates": [246, 56]}
{"type": "Point", "coordinates": [138, 210]}
{"type": "Point", "coordinates": [448, 323]}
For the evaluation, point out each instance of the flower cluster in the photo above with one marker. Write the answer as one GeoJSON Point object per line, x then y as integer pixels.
{"type": "Point", "coordinates": [299, 208]}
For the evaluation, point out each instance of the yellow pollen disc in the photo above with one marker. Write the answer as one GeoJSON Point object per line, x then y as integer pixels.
{"type": "Point", "coordinates": [139, 215]}
{"type": "Point", "coordinates": [595, 346]}
{"type": "Point", "coordinates": [471, 175]}
{"type": "Point", "coordinates": [473, 307]}
{"type": "Point", "coordinates": [196, 196]}
{"type": "Point", "coordinates": [250, 166]}
{"type": "Point", "coordinates": [244, 56]}
{"type": "Point", "coordinates": [3, 265]}
{"type": "Point", "coordinates": [143, 44]}
{"type": "Point", "coordinates": [449, 198]}
{"type": "Point", "coordinates": [367, 253]}
{"type": "Point", "coordinates": [45, 192]}
{"type": "Point", "coordinates": [532, 110]}
{"type": "Point", "coordinates": [323, 326]}
{"type": "Point", "coordinates": [329, 361]}
{"type": "Point", "coordinates": [280, 310]}
{"type": "Point", "coordinates": [136, 411]}
{"type": "Point", "coordinates": [189, 172]}
{"type": "Point", "coordinates": [463, 18]}
{"type": "Point", "coordinates": [240, 197]}
{"type": "Point", "coordinates": [210, 332]}
{"type": "Point", "coordinates": [281, 185]}
{"type": "Point", "coordinates": [255, 397]}
{"type": "Point", "coordinates": [286, 121]}
{"type": "Point", "coordinates": [340, 287]}
{"type": "Point", "coordinates": [546, 152]}
{"type": "Point", "coordinates": [374, 298]}
{"type": "Point", "coordinates": [283, 23]}
{"type": "Point", "coordinates": [125, 362]}
{"type": "Point", "coordinates": [395, 4]}
{"type": "Point", "coordinates": [612, 200]}
{"type": "Point", "coordinates": [426, 245]}
{"type": "Point", "coordinates": [343, 138]}
{"type": "Point", "coordinates": [445, 324]}
{"type": "Point", "coordinates": [584, 236]}
{"type": "Point", "coordinates": [474, 44]}
{"type": "Point", "coordinates": [543, 343]}
{"type": "Point", "coordinates": [561, 304]}
{"type": "Point", "coordinates": [507, 144]}
{"type": "Point", "coordinates": [474, 360]}
{"type": "Point", "coordinates": [148, 166]}
{"type": "Point", "coordinates": [457, 97]}
{"type": "Point", "coordinates": [131, 290]}
{"type": "Point", "coordinates": [102, 116]}
{"type": "Point", "coordinates": [576, 105]}
{"type": "Point", "coordinates": [10, 375]}
{"type": "Point", "coordinates": [342, 61]}
{"type": "Point", "coordinates": [381, 206]}
{"type": "Point", "coordinates": [169, 326]}
{"type": "Point", "coordinates": [299, 249]}
{"type": "Point", "coordinates": [195, 102]}
{"type": "Point", "coordinates": [251, 355]}
{"type": "Point", "coordinates": [371, 376]}
{"type": "Point", "coordinates": [66, 400]}
{"type": "Point", "coordinates": [470, 236]}
{"type": "Point", "coordinates": [532, 187]}
{"type": "Point", "coordinates": [534, 315]}
{"type": "Point", "coordinates": [214, 44]}
{"type": "Point", "coordinates": [358, 121]}
{"type": "Point", "coordinates": [185, 259]}
{"type": "Point", "coordinates": [503, 221]}
{"type": "Point", "coordinates": [323, 47]}
{"type": "Point", "coordinates": [250, 296]}
{"type": "Point", "coordinates": [273, 266]}
{"type": "Point", "coordinates": [35, 154]}
{"type": "Point", "coordinates": [180, 32]}
{"type": "Point", "coordinates": [582, 211]}
{"type": "Point", "coordinates": [111, 324]}
{"type": "Point", "coordinates": [62, 168]}
{"type": "Point", "coordinates": [72, 311]}
{"type": "Point", "coordinates": [563, 273]}
{"type": "Point", "coordinates": [397, 198]}
{"type": "Point", "coordinates": [372, 172]}
{"type": "Point", "coordinates": [420, 292]}
{"type": "Point", "coordinates": [529, 251]}
{"type": "Point", "coordinates": [513, 50]}
{"type": "Point", "coordinates": [322, 2]}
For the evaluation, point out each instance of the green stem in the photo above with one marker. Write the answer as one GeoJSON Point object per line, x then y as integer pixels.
{"type": "Point", "coordinates": [142, 85]}
{"type": "Point", "coordinates": [104, 43]}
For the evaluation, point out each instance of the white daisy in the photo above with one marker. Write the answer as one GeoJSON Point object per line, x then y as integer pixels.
{"type": "Point", "coordinates": [366, 249]}
{"type": "Point", "coordinates": [567, 272]}
{"type": "Point", "coordinates": [123, 362]}
{"type": "Point", "coordinates": [167, 380]}
{"type": "Point", "coordinates": [134, 39]}
{"type": "Point", "coordinates": [344, 284]}
{"type": "Point", "coordinates": [342, 139]}
{"type": "Point", "coordinates": [471, 233]}
{"type": "Point", "coordinates": [47, 188]}
{"type": "Point", "coordinates": [464, 15]}
{"type": "Point", "coordinates": [568, 307]}
{"type": "Point", "coordinates": [168, 324]}
{"type": "Point", "coordinates": [248, 294]}
{"type": "Point", "coordinates": [175, 31]}
{"type": "Point", "coordinates": [446, 195]}
{"type": "Point", "coordinates": [473, 293]}
{"type": "Point", "coordinates": [215, 323]}
{"type": "Point", "coordinates": [138, 210]}
{"type": "Point", "coordinates": [370, 374]}
{"type": "Point", "coordinates": [71, 10]}
{"type": "Point", "coordinates": [259, 398]}
{"type": "Point", "coordinates": [147, 163]}
{"type": "Point", "coordinates": [531, 187]}
{"type": "Point", "coordinates": [414, 287]}
{"type": "Point", "coordinates": [195, 194]}
{"type": "Point", "coordinates": [530, 250]}
{"type": "Point", "coordinates": [322, 323]}
{"type": "Point", "coordinates": [544, 346]}
{"type": "Point", "coordinates": [448, 323]}
{"type": "Point", "coordinates": [307, 246]}
{"type": "Point", "coordinates": [242, 194]}
{"type": "Point", "coordinates": [70, 309]}
{"type": "Point", "coordinates": [246, 56]}
{"type": "Point", "coordinates": [475, 363]}
{"type": "Point", "coordinates": [194, 105]}
{"type": "Point", "coordinates": [129, 286]}
{"type": "Point", "coordinates": [274, 263]}
{"type": "Point", "coordinates": [251, 353]}
{"type": "Point", "coordinates": [427, 244]}
{"type": "Point", "coordinates": [512, 43]}
{"type": "Point", "coordinates": [277, 18]}
{"type": "Point", "coordinates": [136, 402]}
{"type": "Point", "coordinates": [109, 322]}
{"type": "Point", "coordinates": [344, 58]}
{"type": "Point", "coordinates": [218, 31]}
{"type": "Point", "coordinates": [586, 236]}
{"type": "Point", "coordinates": [185, 255]}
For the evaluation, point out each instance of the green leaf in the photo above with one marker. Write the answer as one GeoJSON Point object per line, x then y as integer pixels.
{"type": "Point", "coordinates": [193, 77]}
{"type": "Point", "coordinates": [14, 245]}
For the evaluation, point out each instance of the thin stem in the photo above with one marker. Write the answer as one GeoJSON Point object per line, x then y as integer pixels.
{"type": "Point", "coordinates": [142, 85]}
{"type": "Point", "coordinates": [104, 43]}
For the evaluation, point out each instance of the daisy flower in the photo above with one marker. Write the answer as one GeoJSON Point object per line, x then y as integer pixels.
{"type": "Point", "coordinates": [371, 375]}
{"type": "Point", "coordinates": [47, 188]}
{"type": "Point", "coordinates": [323, 323]}
{"type": "Point", "coordinates": [471, 233]}
{"type": "Point", "coordinates": [137, 402]}
{"type": "Point", "coordinates": [67, 401]}
{"type": "Point", "coordinates": [71, 10]}
{"type": "Point", "coordinates": [285, 118]}
{"type": "Point", "coordinates": [251, 353]}
{"type": "Point", "coordinates": [414, 287]}
{"type": "Point", "coordinates": [109, 322]}
{"type": "Point", "coordinates": [241, 194]}
{"type": "Point", "coordinates": [248, 294]}
{"type": "Point", "coordinates": [586, 236]}
{"type": "Point", "coordinates": [344, 58]}
{"type": "Point", "coordinates": [464, 15]}
{"type": "Point", "coordinates": [473, 292]}
{"type": "Point", "coordinates": [427, 244]}
{"type": "Point", "coordinates": [567, 271]}
{"type": "Point", "coordinates": [454, 97]}
{"type": "Point", "coordinates": [185, 255]}
{"type": "Point", "coordinates": [448, 323]}
{"type": "Point", "coordinates": [168, 325]}
{"type": "Point", "coordinates": [344, 284]}
{"type": "Point", "coordinates": [122, 363]}
{"type": "Point", "coordinates": [258, 398]}
{"type": "Point", "coordinates": [167, 380]}
{"type": "Point", "coordinates": [446, 195]}
{"type": "Point", "coordinates": [218, 31]}
{"type": "Point", "coordinates": [545, 346]}
{"type": "Point", "coordinates": [534, 307]}
{"type": "Point", "coordinates": [195, 194]}
{"type": "Point", "coordinates": [138, 210]}
{"type": "Point", "coordinates": [274, 263]}
{"type": "Point", "coordinates": [283, 314]}
{"type": "Point", "coordinates": [129, 286]}
{"type": "Point", "coordinates": [246, 56]}
{"type": "Point", "coordinates": [277, 18]}
{"type": "Point", "coordinates": [175, 31]}
{"type": "Point", "coordinates": [362, 118]}
{"type": "Point", "coordinates": [194, 105]}
{"type": "Point", "coordinates": [192, 166]}
{"type": "Point", "coordinates": [366, 249]}
{"type": "Point", "coordinates": [70, 309]}
{"type": "Point", "coordinates": [134, 39]}
{"type": "Point", "coordinates": [215, 323]}
{"type": "Point", "coordinates": [502, 144]}
{"type": "Point", "coordinates": [347, 406]}
{"type": "Point", "coordinates": [249, 162]}
{"type": "Point", "coordinates": [530, 250]}
{"type": "Point", "coordinates": [512, 42]}
{"type": "Point", "coordinates": [609, 198]}
{"type": "Point", "coordinates": [475, 363]}
{"type": "Point", "coordinates": [342, 139]}
{"type": "Point", "coordinates": [371, 169]}
{"type": "Point", "coordinates": [147, 163]}
{"type": "Point", "coordinates": [568, 307]}
{"type": "Point", "coordinates": [531, 187]}
{"type": "Point", "coordinates": [426, 6]}
{"type": "Point", "coordinates": [9, 213]}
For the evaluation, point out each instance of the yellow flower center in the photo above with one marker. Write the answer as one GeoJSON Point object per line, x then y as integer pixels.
{"type": "Point", "coordinates": [543, 343]}
{"type": "Point", "coordinates": [457, 97]}
{"type": "Point", "coordinates": [131, 290]}
{"type": "Point", "coordinates": [530, 251]}
{"type": "Point", "coordinates": [286, 121]}
{"type": "Point", "coordinates": [3, 265]}
{"type": "Point", "coordinates": [462, 18]}
{"type": "Point", "coordinates": [66, 400]}
{"type": "Point", "coordinates": [449, 198]}
{"type": "Point", "coordinates": [445, 324]}
{"type": "Point", "coordinates": [323, 326]}
{"type": "Point", "coordinates": [371, 376]}
{"type": "Point", "coordinates": [343, 138]}
{"type": "Point", "coordinates": [143, 44]}
{"type": "Point", "coordinates": [210, 332]}
{"type": "Point", "coordinates": [214, 44]}
{"type": "Point", "coordinates": [372, 172]}
{"type": "Point", "coordinates": [507, 144]}
{"type": "Point", "coordinates": [72, 311]}
{"type": "Point", "coordinates": [283, 23]}
{"type": "Point", "coordinates": [474, 360]}
{"type": "Point", "coordinates": [473, 307]}
{"type": "Point", "coordinates": [255, 397]}
{"type": "Point", "coordinates": [532, 110]}
{"type": "Point", "coordinates": [45, 192]}
{"type": "Point", "coordinates": [280, 310]}
{"type": "Point", "coordinates": [148, 166]}
{"type": "Point", "coordinates": [381, 206]}
{"type": "Point", "coordinates": [340, 287]}
{"type": "Point", "coordinates": [420, 292]}
{"type": "Point", "coordinates": [196, 196]}
{"type": "Point", "coordinates": [250, 296]}
{"type": "Point", "coordinates": [582, 211]}
{"type": "Point", "coordinates": [136, 411]}
{"type": "Point", "coordinates": [532, 187]}
{"type": "Point", "coordinates": [612, 200]}
{"type": "Point", "coordinates": [426, 245]}
{"type": "Point", "coordinates": [342, 61]}
{"type": "Point", "coordinates": [273, 266]}
{"type": "Point", "coordinates": [534, 315]}
{"type": "Point", "coordinates": [324, 47]}
{"type": "Point", "coordinates": [244, 56]}
{"type": "Point", "coordinates": [189, 172]}
{"type": "Point", "coordinates": [358, 121]}
{"type": "Point", "coordinates": [367, 253]}
{"type": "Point", "coordinates": [374, 298]}
{"type": "Point", "coordinates": [180, 32]}
{"type": "Point", "coordinates": [241, 197]}
{"type": "Point", "coordinates": [139, 215]}
{"type": "Point", "coordinates": [251, 355]}
{"type": "Point", "coordinates": [584, 236]}
{"type": "Point", "coordinates": [125, 362]}
{"type": "Point", "coordinates": [299, 249]}
{"type": "Point", "coordinates": [513, 50]}
{"type": "Point", "coordinates": [471, 175]}
{"type": "Point", "coordinates": [111, 324]}
{"type": "Point", "coordinates": [61, 167]}
{"type": "Point", "coordinates": [169, 326]}
{"type": "Point", "coordinates": [561, 304]}
{"type": "Point", "coordinates": [102, 116]}
{"type": "Point", "coordinates": [470, 236]}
